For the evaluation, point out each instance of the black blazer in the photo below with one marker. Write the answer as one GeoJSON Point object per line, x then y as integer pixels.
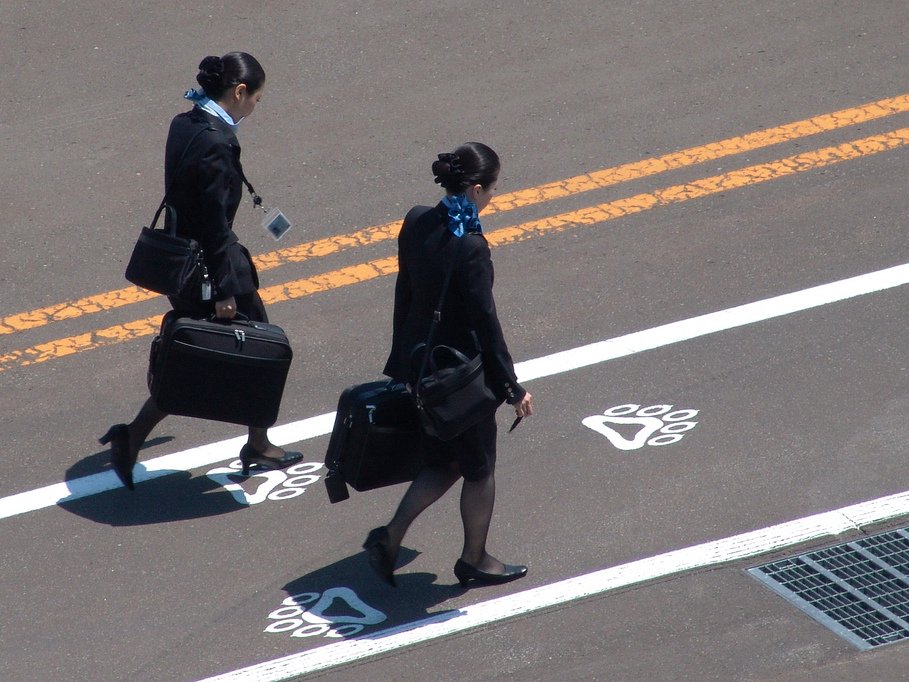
{"type": "Point", "coordinates": [468, 322]}
{"type": "Point", "coordinates": [206, 193]}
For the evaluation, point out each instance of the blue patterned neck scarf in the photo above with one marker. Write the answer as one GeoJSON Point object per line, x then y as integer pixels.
{"type": "Point", "coordinates": [204, 102]}
{"type": "Point", "coordinates": [462, 215]}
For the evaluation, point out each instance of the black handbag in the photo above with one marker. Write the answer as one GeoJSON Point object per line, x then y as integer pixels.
{"type": "Point", "coordinates": [451, 392]}
{"type": "Point", "coordinates": [453, 395]}
{"type": "Point", "coordinates": [167, 264]}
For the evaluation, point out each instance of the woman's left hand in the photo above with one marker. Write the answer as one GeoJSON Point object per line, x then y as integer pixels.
{"type": "Point", "coordinates": [525, 407]}
{"type": "Point", "coordinates": [226, 309]}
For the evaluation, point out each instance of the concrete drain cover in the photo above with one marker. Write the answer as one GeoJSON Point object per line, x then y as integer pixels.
{"type": "Point", "coordinates": [860, 589]}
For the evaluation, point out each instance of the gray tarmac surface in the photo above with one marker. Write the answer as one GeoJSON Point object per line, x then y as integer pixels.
{"type": "Point", "coordinates": [797, 415]}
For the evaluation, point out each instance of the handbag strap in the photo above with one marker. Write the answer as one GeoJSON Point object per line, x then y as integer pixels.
{"type": "Point", "coordinates": [437, 313]}
{"type": "Point", "coordinates": [173, 178]}
{"type": "Point", "coordinates": [257, 200]}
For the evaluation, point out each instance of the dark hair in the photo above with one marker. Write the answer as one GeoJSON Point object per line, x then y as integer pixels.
{"type": "Point", "coordinates": [219, 74]}
{"type": "Point", "coordinates": [473, 163]}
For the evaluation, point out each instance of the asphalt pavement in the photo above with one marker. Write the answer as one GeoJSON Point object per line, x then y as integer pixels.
{"type": "Point", "coordinates": [665, 166]}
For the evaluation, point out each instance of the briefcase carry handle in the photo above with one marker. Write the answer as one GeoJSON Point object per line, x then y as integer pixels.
{"type": "Point", "coordinates": [171, 219]}
{"type": "Point", "coordinates": [238, 317]}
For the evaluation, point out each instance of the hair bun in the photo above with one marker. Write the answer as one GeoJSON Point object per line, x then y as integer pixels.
{"type": "Point", "coordinates": [446, 168]}
{"type": "Point", "coordinates": [212, 65]}
{"type": "Point", "coordinates": [211, 72]}
{"type": "Point", "coordinates": [473, 163]}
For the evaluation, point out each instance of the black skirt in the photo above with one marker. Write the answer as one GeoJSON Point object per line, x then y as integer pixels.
{"type": "Point", "coordinates": [474, 450]}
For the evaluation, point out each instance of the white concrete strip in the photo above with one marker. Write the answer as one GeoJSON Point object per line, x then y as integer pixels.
{"type": "Point", "coordinates": [447, 623]}
{"type": "Point", "coordinates": [549, 365]}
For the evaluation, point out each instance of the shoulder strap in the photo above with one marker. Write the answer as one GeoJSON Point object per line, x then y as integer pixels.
{"type": "Point", "coordinates": [437, 313]}
{"type": "Point", "coordinates": [257, 200]}
{"type": "Point", "coordinates": [172, 214]}
{"type": "Point", "coordinates": [180, 162]}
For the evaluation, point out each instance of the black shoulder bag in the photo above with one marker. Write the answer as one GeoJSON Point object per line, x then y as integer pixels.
{"type": "Point", "coordinates": [165, 263]}
{"type": "Point", "coordinates": [451, 391]}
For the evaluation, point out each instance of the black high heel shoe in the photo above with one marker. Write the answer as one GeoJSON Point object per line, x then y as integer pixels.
{"type": "Point", "coordinates": [464, 572]}
{"type": "Point", "coordinates": [250, 456]}
{"type": "Point", "coordinates": [380, 559]}
{"type": "Point", "coordinates": [121, 458]}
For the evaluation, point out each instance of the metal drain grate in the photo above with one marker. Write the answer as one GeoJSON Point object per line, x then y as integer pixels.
{"type": "Point", "coordinates": [860, 589]}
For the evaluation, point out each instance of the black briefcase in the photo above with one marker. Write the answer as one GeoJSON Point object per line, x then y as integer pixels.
{"type": "Point", "coordinates": [375, 441]}
{"type": "Point", "coordinates": [226, 370]}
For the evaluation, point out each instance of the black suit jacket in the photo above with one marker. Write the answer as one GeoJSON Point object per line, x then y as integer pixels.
{"type": "Point", "coordinates": [469, 321]}
{"type": "Point", "coordinates": [205, 191]}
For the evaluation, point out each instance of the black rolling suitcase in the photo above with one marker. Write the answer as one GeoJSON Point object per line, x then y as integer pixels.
{"type": "Point", "coordinates": [227, 370]}
{"type": "Point", "coordinates": [375, 439]}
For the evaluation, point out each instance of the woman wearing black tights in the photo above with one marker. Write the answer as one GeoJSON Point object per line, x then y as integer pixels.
{"type": "Point", "coordinates": [429, 240]}
{"type": "Point", "coordinates": [205, 190]}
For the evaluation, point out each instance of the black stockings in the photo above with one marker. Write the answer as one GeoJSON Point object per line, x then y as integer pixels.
{"type": "Point", "coordinates": [150, 416]}
{"type": "Point", "coordinates": [477, 502]}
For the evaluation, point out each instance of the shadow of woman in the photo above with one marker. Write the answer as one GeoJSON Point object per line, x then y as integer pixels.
{"type": "Point", "coordinates": [346, 599]}
{"type": "Point", "coordinates": [170, 496]}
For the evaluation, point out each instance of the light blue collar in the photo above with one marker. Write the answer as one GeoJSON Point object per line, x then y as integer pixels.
{"type": "Point", "coordinates": [204, 102]}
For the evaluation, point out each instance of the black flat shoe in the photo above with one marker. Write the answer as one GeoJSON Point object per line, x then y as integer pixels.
{"type": "Point", "coordinates": [249, 456]}
{"type": "Point", "coordinates": [464, 572]}
{"type": "Point", "coordinates": [380, 560]}
{"type": "Point", "coordinates": [121, 458]}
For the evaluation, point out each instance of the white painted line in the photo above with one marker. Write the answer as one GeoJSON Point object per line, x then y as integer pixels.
{"type": "Point", "coordinates": [187, 460]}
{"type": "Point", "coordinates": [447, 623]}
{"type": "Point", "coordinates": [549, 365]}
{"type": "Point", "coordinates": [710, 323]}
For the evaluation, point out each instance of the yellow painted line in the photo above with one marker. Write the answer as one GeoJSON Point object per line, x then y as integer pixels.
{"type": "Point", "coordinates": [695, 155]}
{"type": "Point", "coordinates": [555, 190]}
{"type": "Point", "coordinates": [80, 343]}
{"type": "Point", "coordinates": [593, 215]}
{"type": "Point", "coordinates": [738, 179]}
{"type": "Point", "coordinates": [128, 295]}
{"type": "Point", "coordinates": [66, 311]}
{"type": "Point", "coordinates": [336, 279]}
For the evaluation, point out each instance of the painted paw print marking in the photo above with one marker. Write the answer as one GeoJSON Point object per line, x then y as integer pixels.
{"type": "Point", "coordinates": [275, 485]}
{"type": "Point", "coordinates": [305, 614]}
{"type": "Point", "coordinates": [658, 425]}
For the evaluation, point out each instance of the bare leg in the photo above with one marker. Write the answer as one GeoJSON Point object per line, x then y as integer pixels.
{"type": "Point", "coordinates": [429, 485]}
{"type": "Point", "coordinates": [477, 502]}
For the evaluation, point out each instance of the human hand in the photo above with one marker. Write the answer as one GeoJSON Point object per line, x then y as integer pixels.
{"type": "Point", "coordinates": [525, 407]}
{"type": "Point", "coordinates": [226, 309]}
